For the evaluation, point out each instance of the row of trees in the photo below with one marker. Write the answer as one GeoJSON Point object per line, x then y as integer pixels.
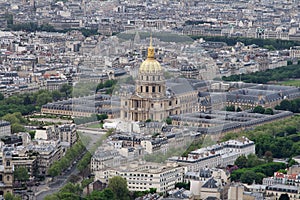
{"type": "Point", "coordinates": [72, 154]}
{"type": "Point", "coordinates": [261, 110]}
{"type": "Point", "coordinates": [281, 138]}
{"type": "Point", "coordinates": [116, 190]}
{"type": "Point", "coordinates": [257, 109]}
{"type": "Point", "coordinates": [21, 174]}
{"type": "Point", "coordinates": [106, 85]}
{"type": "Point", "coordinates": [252, 169]}
{"type": "Point", "coordinates": [271, 43]}
{"type": "Point", "coordinates": [84, 163]}
{"type": "Point", "coordinates": [29, 102]}
{"type": "Point", "coordinates": [289, 105]}
{"type": "Point", "coordinates": [16, 120]}
{"type": "Point", "coordinates": [33, 27]}
{"type": "Point", "coordinates": [231, 108]}
{"type": "Point", "coordinates": [262, 77]}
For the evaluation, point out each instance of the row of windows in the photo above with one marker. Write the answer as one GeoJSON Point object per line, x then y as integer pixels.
{"type": "Point", "coordinates": [139, 179]}
{"type": "Point", "coordinates": [137, 187]}
{"type": "Point", "coordinates": [151, 78]}
{"type": "Point", "coordinates": [148, 88]}
{"type": "Point", "coordinates": [142, 175]}
{"type": "Point", "coordinates": [134, 183]}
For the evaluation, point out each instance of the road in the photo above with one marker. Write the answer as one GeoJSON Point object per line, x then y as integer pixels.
{"type": "Point", "coordinates": [60, 181]}
{"type": "Point", "coordinates": [54, 186]}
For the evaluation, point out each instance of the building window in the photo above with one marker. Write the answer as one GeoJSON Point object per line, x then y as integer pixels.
{"type": "Point", "coordinates": [7, 178]}
{"type": "Point", "coordinates": [147, 89]}
{"type": "Point", "coordinates": [153, 89]}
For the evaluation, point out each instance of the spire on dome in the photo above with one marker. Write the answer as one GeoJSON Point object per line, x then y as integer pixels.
{"type": "Point", "coordinates": [150, 49]}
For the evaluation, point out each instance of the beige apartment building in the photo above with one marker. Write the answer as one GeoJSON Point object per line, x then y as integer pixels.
{"type": "Point", "coordinates": [141, 176]}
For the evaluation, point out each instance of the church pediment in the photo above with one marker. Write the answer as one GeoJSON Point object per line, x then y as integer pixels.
{"type": "Point", "coordinates": [137, 97]}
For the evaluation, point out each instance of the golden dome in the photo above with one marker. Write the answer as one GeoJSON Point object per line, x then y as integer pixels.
{"type": "Point", "coordinates": [150, 64]}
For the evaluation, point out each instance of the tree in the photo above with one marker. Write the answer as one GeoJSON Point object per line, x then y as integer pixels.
{"type": "Point", "coordinates": [284, 197]}
{"type": "Point", "coordinates": [11, 118]}
{"type": "Point", "coordinates": [102, 117]}
{"type": "Point", "coordinates": [248, 177]}
{"type": "Point", "coordinates": [66, 90]}
{"type": "Point", "coordinates": [43, 98]}
{"type": "Point", "coordinates": [291, 130]}
{"type": "Point", "coordinates": [241, 161]}
{"type": "Point", "coordinates": [169, 120]}
{"type": "Point", "coordinates": [9, 196]}
{"type": "Point", "coordinates": [1, 96]}
{"type": "Point", "coordinates": [183, 185]}
{"type": "Point", "coordinates": [52, 197]}
{"type": "Point", "coordinates": [73, 178]}
{"type": "Point", "coordinates": [16, 128]}
{"type": "Point", "coordinates": [71, 188]}
{"type": "Point", "coordinates": [238, 109]}
{"type": "Point", "coordinates": [32, 134]}
{"type": "Point", "coordinates": [253, 160]}
{"type": "Point", "coordinates": [269, 111]}
{"type": "Point", "coordinates": [259, 109]}
{"type": "Point", "coordinates": [118, 186]}
{"type": "Point", "coordinates": [106, 194]}
{"type": "Point", "coordinates": [21, 174]}
{"type": "Point", "coordinates": [285, 105]}
{"type": "Point", "coordinates": [269, 156]}
{"type": "Point", "coordinates": [292, 162]}
{"type": "Point", "coordinates": [54, 170]}
{"type": "Point", "coordinates": [27, 100]}
{"type": "Point", "coordinates": [56, 95]}
{"type": "Point", "coordinates": [230, 108]}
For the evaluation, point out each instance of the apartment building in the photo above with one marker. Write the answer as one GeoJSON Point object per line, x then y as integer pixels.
{"type": "Point", "coordinates": [65, 133]}
{"type": "Point", "coordinates": [141, 176]}
{"type": "Point", "coordinates": [219, 155]}
{"type": "Point", "coordinates": [48, 153]}
{"type": "Point", "coordinates": [5, 128]}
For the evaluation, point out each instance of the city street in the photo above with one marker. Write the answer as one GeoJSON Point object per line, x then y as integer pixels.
{"type": "Point", "coordinates": [55, 185]}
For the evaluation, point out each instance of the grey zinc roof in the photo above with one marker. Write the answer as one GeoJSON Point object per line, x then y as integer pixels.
{"type": "Point", "coordinates": [179, 85]}
{"type": "Point", "coordinates": [210, 183]}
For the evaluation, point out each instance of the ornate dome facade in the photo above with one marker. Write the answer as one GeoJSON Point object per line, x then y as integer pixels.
{"type": "Point", "coordinates": [150, 66]}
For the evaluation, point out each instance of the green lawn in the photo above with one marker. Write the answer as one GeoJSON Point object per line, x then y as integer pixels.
{"type": "Point", "coordinates": [291, 83]}
{"type": "Point", "coordinates": [100, 125]}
